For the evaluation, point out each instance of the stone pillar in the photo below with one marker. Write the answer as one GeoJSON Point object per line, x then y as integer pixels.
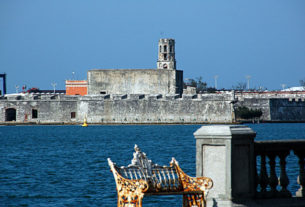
{"type": "Point", "coordinates": [225, 153]}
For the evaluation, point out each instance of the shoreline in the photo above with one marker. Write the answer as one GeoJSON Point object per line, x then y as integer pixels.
{"type": "Point", "coordinates": [104, 124]}
{"type": "Point", "coordinates": [117, 124]}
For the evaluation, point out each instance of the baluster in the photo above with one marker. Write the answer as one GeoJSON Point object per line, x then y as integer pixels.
{"type": "Point", "coordinates": [273, 180]}
{"type": "Point", "coordinates": [301, 178]}
{"type": "Point", "coordinates": [256, 175]}
{"type": "Point", "coordinates": [284, 181]}
{"type": "Point", "coordinates": [263, 178]}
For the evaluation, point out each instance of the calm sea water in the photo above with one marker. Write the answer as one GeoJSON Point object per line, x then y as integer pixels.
{"type": "Point", "coordinates": [67, 165]}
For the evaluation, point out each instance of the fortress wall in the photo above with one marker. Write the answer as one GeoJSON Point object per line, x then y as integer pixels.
{"type": "Point", "coordinates": [135, 81]}
{"type": "Point", "coordinates": [290, 108]}
{"type": "Point", "coordinates": [268, 95]}
{"type": "Point", "coordinates": [287, 109]}
{"type": "Point", "coordinates": [50, 108]}
{"type": "Point", "coordinates": [133, 108]}
{"type": "Point", "coordinates": [257, 103]}
{"type": "Point", "coordinates": [157, 109]}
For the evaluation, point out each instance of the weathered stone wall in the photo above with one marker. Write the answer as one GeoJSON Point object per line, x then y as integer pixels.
{"type": "Point", "coordinates": [140, 81]}
{"type": "Point", "coordinates": [287, 109]}
{"type": "Point", "coordinates": [256, 103]}
{"type": "Point", "coordinates": [121, 108]}
{"type": "Point", "coordinates": [281, 106]}
{"type": "Point", "coordinates": [50, 108]}
{"type": "Point", "coordinates": [157, 109]}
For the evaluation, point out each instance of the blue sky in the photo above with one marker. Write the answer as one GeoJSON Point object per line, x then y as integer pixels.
{"type": "Point", "coordinates": [45, 41]}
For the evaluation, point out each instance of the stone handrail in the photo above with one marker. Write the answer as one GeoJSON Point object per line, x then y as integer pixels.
{"type": "Point", "coordinates": [249, 173]}
{"type": "Point", "coordinates": [267, 185]}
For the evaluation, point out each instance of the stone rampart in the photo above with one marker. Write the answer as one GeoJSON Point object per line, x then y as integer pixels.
{"type": "Point", "coordinates": [118, 108]}
{"type": "Point", "coordinates": [281, 106]}
{"type": "Point", "coordinates": [287, 109]}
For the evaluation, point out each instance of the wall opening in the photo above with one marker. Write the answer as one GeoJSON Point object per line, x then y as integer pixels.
{"type": "Point", "coordinates": [34, 113]}
{"type": "Point", "coordinates": [165, 56]}
{"type": "Point", "coordinates": [165, 48]}
{"type": "Point", "coordinates": [102, 92]}
{"type": "Point", "coordinates": [73, 115]}
{"type": "Point", "coordinates": [171, 48]}
{"type": "Point", "coordinates": [10, 114]}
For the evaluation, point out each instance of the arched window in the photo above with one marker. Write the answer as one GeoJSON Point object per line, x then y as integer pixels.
{"type": "Point", "coordinates": [160, 48]}
{"type": "Point", "coordinates": [165, 48]}
{"type": "Point", "coordinates": [165, 56]}
{"type": "Point", "coordinates": [171, 48]}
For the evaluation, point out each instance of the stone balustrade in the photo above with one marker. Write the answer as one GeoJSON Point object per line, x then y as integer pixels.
{"type": "Point", "coordinates": [247, 172]}
{"type": "Point", "coordinates": [270, 185]}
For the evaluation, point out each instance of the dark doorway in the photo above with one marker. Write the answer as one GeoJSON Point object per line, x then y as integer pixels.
{"type": "Point", "coordinates": [34, 114]}
{"type": "Point", "coordinates": [10, 114]}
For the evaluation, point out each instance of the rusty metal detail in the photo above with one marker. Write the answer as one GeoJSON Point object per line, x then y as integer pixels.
{"type": "Point", "coordinates": [130, 192]}
{"type": "Point", "coordinates": [142, 177]}
{"type": "Point", "coordinates": [191, 184]}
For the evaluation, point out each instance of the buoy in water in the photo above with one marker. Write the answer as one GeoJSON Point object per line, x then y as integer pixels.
{"type": "Point", "coordinates": [85, 123]}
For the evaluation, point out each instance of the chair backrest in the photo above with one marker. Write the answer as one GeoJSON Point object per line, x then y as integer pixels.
{"type": "Point", "coordinates": [159, 178]}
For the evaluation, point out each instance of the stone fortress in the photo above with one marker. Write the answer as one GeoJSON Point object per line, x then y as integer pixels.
{"type": "Point", "coordinates": [163, 80]}
{"type": "Point", "coordinates": [144, 96]}
{"type": "Point", "coordinates": [123, 96]}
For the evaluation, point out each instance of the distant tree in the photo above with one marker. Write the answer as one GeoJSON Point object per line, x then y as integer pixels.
{"type": "Point", "coordinates": [211, 90]}
{"type": "Point", "coordinates": [201, 86]}
{"type": "Point", "coordinates": [196, 83]}
{"type": "Point", "coordinates": [246, 113]}
{"type": "Point", "coordinates": [241, 86]}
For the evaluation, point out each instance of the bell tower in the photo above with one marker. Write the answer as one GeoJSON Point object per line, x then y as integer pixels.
{"type": "Point", "coordinates": [166, 54]}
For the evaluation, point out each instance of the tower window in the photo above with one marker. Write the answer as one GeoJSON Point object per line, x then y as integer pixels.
{"type": "Point", "coordinates": [171, 48]}
{"type": "Point", "coordinates": [165, 48]}
{"type": "Point", "coordinates": [160, 48]}
{"type": "Point", "coordinates": [165, 56]}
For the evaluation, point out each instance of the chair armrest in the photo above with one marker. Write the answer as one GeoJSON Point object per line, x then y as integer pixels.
{"type": "Point", "coordinates": [124, 184]}
{"type": "Point", "coordinates": [193, 183]}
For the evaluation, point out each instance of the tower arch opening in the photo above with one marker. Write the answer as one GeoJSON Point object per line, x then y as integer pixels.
{"type": "Point", "coordinates": [10, 114]}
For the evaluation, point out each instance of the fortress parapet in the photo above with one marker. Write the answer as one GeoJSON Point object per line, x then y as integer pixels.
{"type": "Point", "coordinates": [116, 108]}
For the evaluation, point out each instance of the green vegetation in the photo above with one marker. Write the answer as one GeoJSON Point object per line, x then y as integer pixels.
{"type": "Point", "coordinates": [246, 113]}
{"type": "Point", "coordinates": [199, 85]}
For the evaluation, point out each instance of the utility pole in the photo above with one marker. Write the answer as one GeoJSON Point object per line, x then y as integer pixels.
{"type": "Point", "coordinates": [54, 86]}
{"type": "Point", "coordinates": [248, 80]}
